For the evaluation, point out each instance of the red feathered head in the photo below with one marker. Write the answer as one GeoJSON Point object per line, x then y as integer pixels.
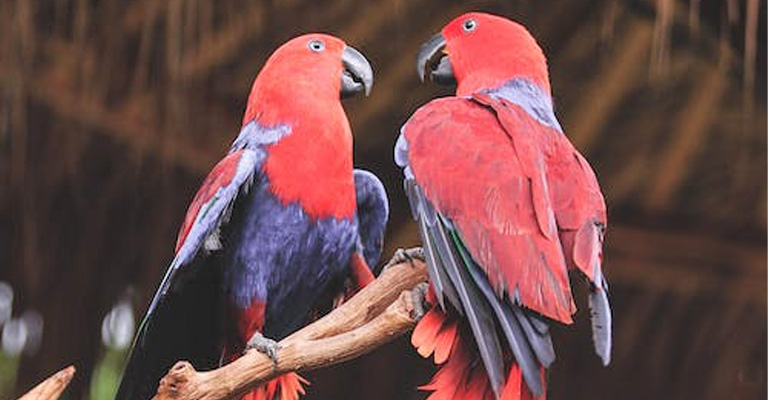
{"type": "Point", "coordinates": [482, 51]}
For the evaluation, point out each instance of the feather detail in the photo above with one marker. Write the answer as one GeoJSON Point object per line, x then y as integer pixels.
{"type": "Point", "coordinates": [587, 249]}
{"type": "Point", "coordinates": [600, 313]}
{"type": "Point", "coordinates": [514, 384]}
{"type": "Point", "coordinates": [516, 390]}
{"type": "Point", "coordinates": [505, 206]}
{"type": "Point", "coordinates": [435, 334]}
{"type": "Point", "coordinates": [285, 387]}
{"type": "Point", "coordinates": [463, 377]}
{"type": "Point", "coordinates": [424, 334]}
{"type": "Point", "coordinates": [427, 218]}
{"type": "Point", "coordinates": [372, 214]}
{"type": "Point", "coordinates": [518, 340]}
{"type": "Point", "coordinates": [452, 375]}
{"type": "Point", "coordinates": [477, 181]}
{"type": "Point", "coordinates": [537, 334]}
{"type": "Point", "coordinates": [445, 341]}
{"type": "Point", "coordinates": [360, 272]}
{"type": "Point", "coordinates": [477, 311]}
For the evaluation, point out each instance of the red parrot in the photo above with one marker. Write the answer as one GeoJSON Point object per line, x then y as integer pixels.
{"type": "Point", "coordinates": [279, 229]}
{"type": "Point", "coordinates": [506, 206]}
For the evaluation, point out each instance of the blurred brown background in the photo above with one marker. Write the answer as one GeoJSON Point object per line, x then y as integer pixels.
{"type": "Point", "coordinates": [111, 112]}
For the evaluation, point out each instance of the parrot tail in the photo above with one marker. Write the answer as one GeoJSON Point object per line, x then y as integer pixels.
{"type": "Point", "coordinates": [462, 374]}
{"type": "Point", "coordinates": [285, 387]}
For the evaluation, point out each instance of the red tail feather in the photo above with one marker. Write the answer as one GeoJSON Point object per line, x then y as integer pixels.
{"type": "Point", "coordinates": [250, 321]}
{"type": "Point", "coordinates": [284, 387]}
{"type": "Point", "coordinates": [461, 375]}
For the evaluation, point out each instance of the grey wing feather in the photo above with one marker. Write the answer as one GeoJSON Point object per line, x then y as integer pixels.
{"type": "Point", "coordinates": [435, 269]}
{"type": "Point", "coordinates": [450, 277]}
{"type": "Point", "coordinates": [441, 284]}
{"type": "Point", "coordinates": [600, 312]}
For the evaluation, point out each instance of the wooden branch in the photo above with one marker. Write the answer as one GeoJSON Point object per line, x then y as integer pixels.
{"type": "Point", "coordinates": [51, 388]}
{"type": "Point", "coordinates": [375, 316]}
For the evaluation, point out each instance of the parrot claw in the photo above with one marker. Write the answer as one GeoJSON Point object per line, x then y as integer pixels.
{"type": "Point", "coordinates": [419, 298]}
{"type": "Point", "coordinates": [264, 345]}
{"type": "Point", "coordinates": [405, 255]}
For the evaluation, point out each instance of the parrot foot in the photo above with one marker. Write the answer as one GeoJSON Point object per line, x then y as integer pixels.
{"type": "Point", "coordinates": [264, 345]}
{"type": "Point", "coordinates": [405, 255]}
{"type": "Point", "coordinates": [419, 298]}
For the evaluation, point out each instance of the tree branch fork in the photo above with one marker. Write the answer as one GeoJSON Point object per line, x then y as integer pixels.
{"type": "Point", "coordinates": [379, 313]}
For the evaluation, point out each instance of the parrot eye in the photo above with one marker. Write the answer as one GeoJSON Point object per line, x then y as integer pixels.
{"type": "Point", "coordinates": [469, 25]}
{"type": "Point", "coordinates": [316, 45]}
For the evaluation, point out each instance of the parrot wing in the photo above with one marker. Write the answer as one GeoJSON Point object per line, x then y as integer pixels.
{"type": "Point", "coordinates": [210, 209]}
{"type": "Point", "coordinates": [577, 203]}
{"type": "Point", "coordinates": [182, 317]}
{"type": "Point", "coordinates": [491, 241]}
{"type": "Point", "coordinates": [372, 214]}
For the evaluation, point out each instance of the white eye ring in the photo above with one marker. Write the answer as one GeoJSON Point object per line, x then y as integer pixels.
{"type": "Point", "coordinates": [469, 25]}
{"type": "Point", "coordinates": [316, 45]}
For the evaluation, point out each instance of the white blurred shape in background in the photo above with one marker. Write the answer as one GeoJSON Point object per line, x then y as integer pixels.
{"type": "Point", "coordinates": [14, 337]}
{"type": "Point", "coordinates": [6, 302]}
{"type": "Point", "coordinates": [117, 327]}
{"type": "Point", "coordinates": [34, 324]}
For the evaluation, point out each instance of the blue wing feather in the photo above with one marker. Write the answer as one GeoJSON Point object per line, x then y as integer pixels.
{"type": "Point", "coordinates": [372, 214]}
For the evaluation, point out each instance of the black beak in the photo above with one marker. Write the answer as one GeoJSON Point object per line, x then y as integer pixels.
{"type": "Point", "coordinates": [357, 74]}
{"type": "Point", "coordinates": [433, 60]}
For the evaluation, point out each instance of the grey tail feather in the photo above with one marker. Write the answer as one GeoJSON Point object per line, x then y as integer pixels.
{"type": "Point", "coordinates": [538, 322]}
{"type": "Point", "coordinates": [519, 341]}
{"type": "Point", "coordinates": [540, 341]}
{"type": "Point", "coordinates": [600, 312]}
{"type": "Point", "coordinates": [477, 311]}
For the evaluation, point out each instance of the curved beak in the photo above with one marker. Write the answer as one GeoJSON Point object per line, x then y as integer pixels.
{"type": "Point", "coordinates": [433, 60]}
{"type": "Point", "coordinates": [357, 74]}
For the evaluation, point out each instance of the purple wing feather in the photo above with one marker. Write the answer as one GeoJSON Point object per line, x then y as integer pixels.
{"type": "Point", "coordinates": [372, 215]}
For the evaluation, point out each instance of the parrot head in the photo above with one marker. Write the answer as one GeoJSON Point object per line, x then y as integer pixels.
{"type": "Point", "coordinates": [313, 69]}
{"type": "Point", "coordinates": [480, 51]}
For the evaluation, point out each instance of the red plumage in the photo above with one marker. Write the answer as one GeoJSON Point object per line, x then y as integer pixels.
{"type": "Point", "coordinates": [574, 195]}
{"type": "Point", "coordinates": [319, 137]}
{"type": "Point", "coordinates": [461, 374]}
{"type": "Point", "coordinates": [221, 175]}
{"type": "Point", "coordinates": [249, 321]}
{"type": "Point", "coordinates": [319, 128]}
{"type": "Point", "coordinates": [285, 387]}
{"type": "Point", "coordinates": [510, 190]}
{"type": "Point", "coordinates": [474, 174]}
{"type": "Point", "coordinates": [272, 237]}
{"type": "Point", "coordinates": [497, 51]}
